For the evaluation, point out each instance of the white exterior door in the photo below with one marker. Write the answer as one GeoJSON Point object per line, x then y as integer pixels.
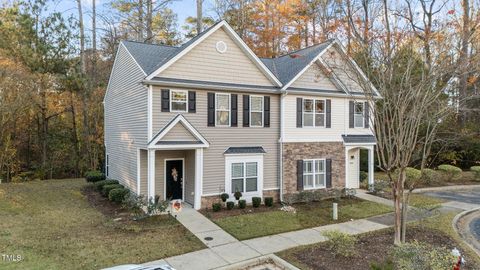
{"type": "Point", "coordinates": [353, 174]}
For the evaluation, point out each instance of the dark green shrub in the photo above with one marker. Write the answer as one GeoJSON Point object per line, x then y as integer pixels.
{"type": "Point", "coordinates": [242, 204]}
{"type": "Point", "coordinates": [256, 201]}
{"type": "Point", "coordinates": [363, 176]}
{"type": "Point", "coordinates": [94, 176]}
{"type": "Point", "coordinates": [118, 194]}
{"type": "Point", "coordinates": [230, 205]}
{"type": "Point", "coordinates": [224, 197]}
{"type": "Point", "coordinates": [386, 265]}
{"type": "Point", "coordinates": [216, 207]}
{"type": "Point", "coordinates": [237, 195]}
{"type": "Point", "coordinates": [269, 201]}
{"type": "Point", "coordinates": [99, 185]}
{"type": "Point", "coordinates": [106, 188]}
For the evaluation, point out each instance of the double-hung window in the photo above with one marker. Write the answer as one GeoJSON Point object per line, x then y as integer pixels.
{"type": "Point", "coordinates": [222, 109]}
{"type": "Point", "coordinates": [244, 177]}
{"type": "Point", "coordinates": [178, 100]}
{"type": "Point", "coordinates": [313, 113]}
{"type": "Point", "coordinates": [314, 173]}
{"type": "Point", "coordinates": [256, 111]}
{"type": "Point", "coordinates": [359, 114]}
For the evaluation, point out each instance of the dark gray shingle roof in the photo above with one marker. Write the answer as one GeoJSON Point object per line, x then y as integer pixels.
{"type": "Point", "coordinates": [245, 150]}
{"type": "Point", "coordinates": [359, 139]}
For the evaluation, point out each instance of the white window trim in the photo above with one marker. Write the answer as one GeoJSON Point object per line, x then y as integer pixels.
{"type": "Point", "coordinates": [171, 100]}
{"type": "Point", "coordinates": [314, 113]}
{"type": "Point", "coordinates": [355, 114]}
{"type": "Point", "coordinates": [228, 175]}
{"type": "Point", "coordinates": [261, 111]}
{"type": "Point", "coordinates": [313, 173]}
{"type": "Point", "coordinates": [229, 109]}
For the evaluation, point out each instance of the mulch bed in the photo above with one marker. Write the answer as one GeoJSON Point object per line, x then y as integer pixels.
{"type": "Point", "coordinates": [104, 206]}
{"type": "Point", "coordinates": [372, 247]}
{"type": "Point", "coordinates": [237, 211]}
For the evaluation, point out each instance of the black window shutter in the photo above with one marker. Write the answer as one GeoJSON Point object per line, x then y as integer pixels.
{"type": "Point", "coordinates": [350, 113]}
{"type": "Point", "coordinates": [246, 110]}
{"type": "Point", "coordinates": [192, 106]}
{"type": "Point", "coordinates": [328, 168]}
{"type": "Point", "coordinates": [299, 112]}
{"type": "Point", "coordinates": [266, 111]}
{"type": "Point", "coordinates": [234, 110]}
{"type": "Point", "coordinates": [299, 174]}
{"type": "Point", "coordinates": [165, 100]}
{"type": "Point", "coordinates": [328, 109]}
{"type": "Point", "coordinates": [367, 115]}
{"type": "Point", "coordinates": [211, 109]}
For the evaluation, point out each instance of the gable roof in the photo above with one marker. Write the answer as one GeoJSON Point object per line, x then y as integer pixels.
{"type": "Point", "coordinates": [149, 56]}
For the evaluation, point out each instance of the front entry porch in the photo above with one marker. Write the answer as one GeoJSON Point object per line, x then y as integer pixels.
{"type": "Point", "coordinates": [353, 145]}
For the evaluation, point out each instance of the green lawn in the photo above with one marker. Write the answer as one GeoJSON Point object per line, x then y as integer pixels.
{"type": "Point", "coordinates": [315, 214]}
{"type": "Point", "coordinates": [52, 226]}
{"type": "Point", "coordinates": [424, 201]}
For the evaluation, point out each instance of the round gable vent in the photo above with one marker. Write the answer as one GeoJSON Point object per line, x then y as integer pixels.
{"type": "Point", "coordinates": [221, 46]}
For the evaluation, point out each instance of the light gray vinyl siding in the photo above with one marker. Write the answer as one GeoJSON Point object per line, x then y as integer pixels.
{"type": "Point", "coordinates": [205, 63]}
{"type": "Point", "coordinates": [143, 172]}
{"type": "Point", "coordinates": [314, 78]}
{"type": "Point", "coordinates": [125, 119]}
{"type": "Point", "coordinates": [178, 133]}
{"type": "Point", "coordinates": [189, 176]}
{"type": "Point", "coordinates": [343, 70]}
{"type": "Point", "coordinates": [221, 138]}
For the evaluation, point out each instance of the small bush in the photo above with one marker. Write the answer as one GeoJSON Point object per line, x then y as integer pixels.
{"type": "Point", "coordinates": [118, 194]}
{"type": "Point", "coordinates": [363, 176]}
{"type": "Point", "coordinates": [341, 244]}
{"type": "Point", "coordinates": [94, 176]}
{"type": "Point", "coordinates": [429, 176]}
{"type": "Point", "coordinates": [256, 201]}
{"type": "Point", "coordinates": [476, 171]}
{"type": "Point", "coordinates": [417, 255]}
{"type": "Point", "coordinates": [136, 204]}
{"type": "Point", "coordinates": [99, 185]}
{"type": "Point", "coordinates": [269, 201]}
{"type": "Point", "coordinates": [216, 207]}
{"type": "Point", "coordinates": [237, 195]}
{"type": "Point", "coordinates": [450, 171]}
{"type": "Point", "coordinates": [224, 197]}
{"type": "Point", "coordinates": [386, 265]}
{"type": "Point", "coordinates": [230, 205]}
{"type": "Point", "coordinates": [106, 189]}
{"type": "Point", "coordinates": [242, 204]}
{"type": "Point", "coordinates": [412, 174]}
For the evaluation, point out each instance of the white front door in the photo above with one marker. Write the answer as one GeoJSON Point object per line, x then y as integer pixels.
{"type": "Point", "coordinates": [353, 174]}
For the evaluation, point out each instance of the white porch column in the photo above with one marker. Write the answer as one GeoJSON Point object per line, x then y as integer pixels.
{"type": "Point", "coordinates": [371, 161]}
{"type": "Point", "coordinates": [151, 173]}
{"type": "Point", "coordinates": [198, 178]}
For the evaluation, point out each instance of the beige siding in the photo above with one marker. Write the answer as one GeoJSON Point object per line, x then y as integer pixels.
{"type": "Point", "coordinates": [179, 133]}
{"type": "Point", "coordinates": [340, 122]}
{"type": "Point", "coordinates": [206, 64]}
{"type": "Point", "coordinates": [344, 71]}
{"type": "Point", "coordinates": [189, 176]}
{"type": "Point", "coordinates": [220, 138]}
{"type": "Point", "coordinates": [125, 119]}
{"type": "Point", "coordinates": [314, 78]}
{"type": "Point", "coordinates": [143, 172]}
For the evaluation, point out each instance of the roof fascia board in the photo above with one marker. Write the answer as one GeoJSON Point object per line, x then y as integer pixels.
{"type": "Point", "coordinates": [326, 94]}
{"type": "Point", "coordinates": [306, 67]}
{"type": "Point", "coordinates": [252, 55]}
{"type": "Point", "coordinates": [210, 87]}
{"type": "Point", "coordinates": [179, 118]}
{"type": "Point", "coordinates": [185, 51]}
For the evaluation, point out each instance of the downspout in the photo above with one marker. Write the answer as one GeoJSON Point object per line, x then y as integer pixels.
{"type": "Point", "coordinates": [282, 134]}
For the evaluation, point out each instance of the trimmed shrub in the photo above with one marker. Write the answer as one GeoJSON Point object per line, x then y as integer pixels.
{"type": "Point", "coordinates": [256, 201]}
{"type": "Point", "coordinates": [363, 176]}
{"type": "Point", "coordinates": [237, 195]}
{"type": "Point", "coordinates": [429, 176]}
{"type": "Point", "coordinates": [224, 197]}
{"type": "Point", "coordinates": [118, 194]}
{"type": "Point", "coordinates": [106, 189]}
{"type": "Point", "coordinates": [412, 174]}
{"type": "Point", "coordinates": [216, 207]}
{"type": "Point", "coordinates": [341, 244]}
{"type": "Point", "coordinates": [476, 171]}
{"type": "Point", "coordinates": [242, 204]}
{"type": "Point", "coordinates": [450, 171]}
{"type": "Point", "coordinates": [99, 185]}
{"type": "Point", "coordinates": [417, 255]}
{"type": "Point", "coordinates": [230, 205]}
{"type": "Point", "coordinates": [269, 201]}
{"type": "Point", "coordinates": [94, 176]}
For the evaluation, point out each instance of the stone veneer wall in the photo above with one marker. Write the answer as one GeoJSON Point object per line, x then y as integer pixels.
{"type": "Point", "coordinates": [207, 201]}
{"type": "Point", "coordinates": [312, 150]}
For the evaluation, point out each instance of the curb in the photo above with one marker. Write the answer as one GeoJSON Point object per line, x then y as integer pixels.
{"type": "Point", "coordinates": [445, 188]}
{"type": "Point", "coordinates": [455, 228]}
{"type": "Point", "coordinates": [258, 260]}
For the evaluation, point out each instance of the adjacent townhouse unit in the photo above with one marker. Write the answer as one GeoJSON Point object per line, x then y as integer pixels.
{"type": "Point", "coordinates": [208, 117]}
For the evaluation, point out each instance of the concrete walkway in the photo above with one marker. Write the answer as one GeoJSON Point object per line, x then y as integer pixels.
{"type": "Point", "coordinates": [362, 194]}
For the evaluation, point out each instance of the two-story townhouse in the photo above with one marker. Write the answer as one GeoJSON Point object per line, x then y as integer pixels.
{"type": "Point", "coordinates": [208, 117]}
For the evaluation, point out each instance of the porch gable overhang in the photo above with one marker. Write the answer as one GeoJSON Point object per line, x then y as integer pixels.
{"type": "Point", "coordinates": [199, 142]}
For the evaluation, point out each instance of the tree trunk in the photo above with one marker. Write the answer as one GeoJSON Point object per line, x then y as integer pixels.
{"type": "Point", "coordinates": [75, 137]}
{"type": "Point", "coordinates": [404, 215]}
{"type": "Point", "coordinates": [149, 18]}
{"type": "Point", "coordinates": [140, 21]}
{"type": "Point", "coordinates": [82, 37]}
{"type": "Point", "coordinates": [463, 63]}
{"type": "Point", "coordinates": [199, 16]}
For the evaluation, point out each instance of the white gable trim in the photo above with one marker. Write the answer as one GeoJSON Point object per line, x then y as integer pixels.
{"type": "Point", "coordinates": [237, 40]}
{"type": "Point", "coordinates": [332, 77]}
{"type": "Point", "coordinates": [179, 119]}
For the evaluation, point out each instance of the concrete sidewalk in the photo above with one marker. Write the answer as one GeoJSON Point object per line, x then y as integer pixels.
{"type": "Point", "coordinates": [362, 194]}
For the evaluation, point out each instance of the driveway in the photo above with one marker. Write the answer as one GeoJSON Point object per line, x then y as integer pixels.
{"type": "Point", "coordinates": [464, 199]}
